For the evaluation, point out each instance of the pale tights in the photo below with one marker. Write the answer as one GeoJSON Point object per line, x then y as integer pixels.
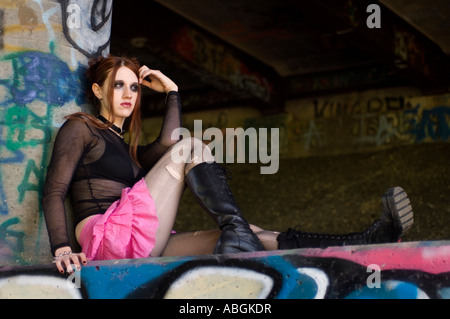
{"type": "Point", "coordinates": [166, 183]}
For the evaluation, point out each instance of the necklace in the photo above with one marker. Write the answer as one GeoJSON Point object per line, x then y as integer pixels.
{"type": "Point", "coordinates": [113, 127]}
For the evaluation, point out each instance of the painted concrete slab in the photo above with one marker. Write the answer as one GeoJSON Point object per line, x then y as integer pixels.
{"type": "Point", "coordinates": [413, 270]}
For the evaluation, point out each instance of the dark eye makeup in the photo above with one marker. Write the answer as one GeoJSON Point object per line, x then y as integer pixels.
{"type": "Point", "coordinates": [119, 85]}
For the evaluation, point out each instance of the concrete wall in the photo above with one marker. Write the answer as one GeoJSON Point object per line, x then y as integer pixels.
{"type": "Point", "coordinates": [364, 121]}
{"type": "Point", "coordinates": [44, 49]}
{"type": "Point", "coordinates": [415, 270]}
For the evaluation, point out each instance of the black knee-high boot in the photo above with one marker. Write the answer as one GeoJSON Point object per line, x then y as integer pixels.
{"type": "Point", "coordinates": [209, 185]}
{"type": "Point", "coordinates": [397, 217]}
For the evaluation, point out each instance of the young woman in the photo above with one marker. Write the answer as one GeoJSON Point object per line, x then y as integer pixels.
{"type": "Point", "coordinates": [125, 196]}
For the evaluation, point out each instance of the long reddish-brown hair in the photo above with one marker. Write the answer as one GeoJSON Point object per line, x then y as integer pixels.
{"type": "Point", "coordinates": [101, 70]}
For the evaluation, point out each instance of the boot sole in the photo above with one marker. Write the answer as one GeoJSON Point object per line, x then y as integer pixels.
{"type": "Point", "coordinates": [396, 201]}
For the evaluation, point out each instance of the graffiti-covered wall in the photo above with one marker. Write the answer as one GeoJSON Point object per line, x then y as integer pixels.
{"type": "Point", "coordinates": [364, 121]}
{"type": "Point", "coordinates": [44, 49]}
{"type": "Point", "coordinates": [419, 270]}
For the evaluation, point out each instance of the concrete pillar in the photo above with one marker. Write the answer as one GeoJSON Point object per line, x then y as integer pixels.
{"type": "Point", "coordinates": [44, 49]}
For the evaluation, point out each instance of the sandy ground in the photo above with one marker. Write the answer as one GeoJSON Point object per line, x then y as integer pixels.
{"type": "Point", "coordinates": [339, 194]}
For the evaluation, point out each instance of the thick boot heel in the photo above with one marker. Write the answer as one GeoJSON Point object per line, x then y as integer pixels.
{"type": "Point", "coordinates": [397, 204]}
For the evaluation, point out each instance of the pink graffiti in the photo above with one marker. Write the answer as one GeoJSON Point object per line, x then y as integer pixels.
{"type": "Point", "coordinates": [428, 258]}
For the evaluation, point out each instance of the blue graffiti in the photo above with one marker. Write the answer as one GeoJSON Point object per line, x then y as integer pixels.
{"type": "Point", "coordinates": [268, 276]}
{"type": "Point", "coordinates": [99, 282]}
{"type": "Point", "coordinates": [43, 76]}
{"type": "Point", "coordinates": [37, 76]}
{"type": "Point", "coordinates": [392, 289]}
{"type": "Point", "coordinates": [7, 234]}
{"type": "Point", "coordinates": [8, 157]}
{"type": "Point", "coordinates": [445, 293]}
{"type": "Point", "coordinates": [433, 123]}
{"type": "Point", "coordinates": [292, 277]}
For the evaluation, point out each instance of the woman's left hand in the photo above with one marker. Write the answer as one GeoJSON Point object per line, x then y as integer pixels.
{"type": "Point", "coordinates": [157, 80]}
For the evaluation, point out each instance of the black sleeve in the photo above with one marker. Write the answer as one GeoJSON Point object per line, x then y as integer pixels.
{"type": "Point", "coordinates": [149, 154]}
{"type": "Point", "coordinates": [68, 148]}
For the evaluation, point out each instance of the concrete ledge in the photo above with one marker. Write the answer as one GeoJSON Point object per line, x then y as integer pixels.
{"type": "Point", "coordinates": [395, 271]}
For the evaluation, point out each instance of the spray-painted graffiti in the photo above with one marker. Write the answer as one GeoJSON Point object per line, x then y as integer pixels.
{"type": "Point", "coordinates": [215, 58]}
{"type": "Point", "coordinates": [36, 76]}
{"type": "Point", "coordinates": [39, 82]}
{"type": "Point", "coordinates": [411, 51]}
{"type": "Point", "coordinates": [43, 77]}
{"type": "Point", "coordinates": [87, 25]}
{"type": "Point", "coordinates": [328, 108]}
{"type": "Point", "coordinates": [10, 240]}
{"type": "Point", "coordinates": [404, 271]}
{"type": "Point", "coordinates": [2, 14]}
{"type": "Point", "coordinates": [432, 123]}
{"type": "Point", "coordinates": [345, 123]}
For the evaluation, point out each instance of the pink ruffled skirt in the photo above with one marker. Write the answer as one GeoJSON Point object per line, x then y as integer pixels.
{"type": "Point", "coordinates": [127, 229]}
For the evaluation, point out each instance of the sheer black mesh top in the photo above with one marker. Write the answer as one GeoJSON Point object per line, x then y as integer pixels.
{"type": "Point", "coordinates": [93, 165]}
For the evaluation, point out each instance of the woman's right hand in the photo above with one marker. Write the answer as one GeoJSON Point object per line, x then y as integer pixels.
{"type": "Point", "coordinates": [64, 257]}
{"type": "Point", "coordinates": [157, 81]}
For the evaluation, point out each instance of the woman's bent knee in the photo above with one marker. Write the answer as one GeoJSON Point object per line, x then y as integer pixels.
{"type": "Point", "coordinates": [191, 151]}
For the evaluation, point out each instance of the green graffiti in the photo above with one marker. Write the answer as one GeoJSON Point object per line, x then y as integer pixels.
{"type": "Point", "coordinates": [25, 185]}
{"type": "Point", "coordinates": [5, 234]}
{"type": "Point", "coordinates": [22, 123]}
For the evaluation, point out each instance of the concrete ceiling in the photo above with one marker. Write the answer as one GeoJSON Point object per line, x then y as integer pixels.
{"type": "Point", "coordinates": [266, 51]}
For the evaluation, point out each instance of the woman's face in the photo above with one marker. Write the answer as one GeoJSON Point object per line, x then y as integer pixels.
{"type": "Point", "coordinates": [126, 88]}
